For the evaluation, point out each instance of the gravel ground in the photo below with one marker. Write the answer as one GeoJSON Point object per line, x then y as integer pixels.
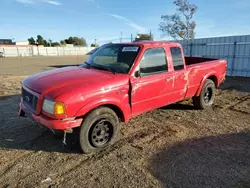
{"type": "Point", "coordinates": [174, 146]}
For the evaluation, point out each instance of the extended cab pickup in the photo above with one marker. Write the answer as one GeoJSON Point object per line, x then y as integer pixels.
{"type": "Point", "coordinates": [116, 83]}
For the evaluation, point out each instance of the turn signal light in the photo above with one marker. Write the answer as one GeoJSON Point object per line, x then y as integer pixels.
{"type": "Point", "coordinates": [59, 108]}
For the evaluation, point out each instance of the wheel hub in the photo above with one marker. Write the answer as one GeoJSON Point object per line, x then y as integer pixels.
{"type": "Point", "coordinates": [101, 133]}
{"type": "Point", "coordinates": [208, 95]}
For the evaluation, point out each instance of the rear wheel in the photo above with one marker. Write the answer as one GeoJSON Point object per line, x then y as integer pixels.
{"type": "Point", "coordinates": [207, 95]}
{"type": "Point", "coordinates": [99, 129]}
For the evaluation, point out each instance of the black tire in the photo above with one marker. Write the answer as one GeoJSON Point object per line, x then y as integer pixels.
{"type": "Point", "coordinates": [100, 129]}
{"type": "Point", "coordinates": [207, 95]}
{"type": "Point", "coordinates": [58, 134]}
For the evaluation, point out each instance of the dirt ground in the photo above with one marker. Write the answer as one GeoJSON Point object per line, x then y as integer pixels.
{"type": "Point", "coordinates": [174, 146]}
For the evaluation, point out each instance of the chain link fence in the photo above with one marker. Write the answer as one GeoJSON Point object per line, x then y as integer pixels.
{"type": "Point", "coordinates": [235, 49]}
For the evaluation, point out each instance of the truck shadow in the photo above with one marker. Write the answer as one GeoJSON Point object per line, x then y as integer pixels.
{"type": "Point", "coordinates": [214, 161]}
{"type": "Point", "coordinates": [236, 83]}
{"type": "Point", "coordinates": [179, 106]}
{"type": "Point", "coordinates": [20, 133]}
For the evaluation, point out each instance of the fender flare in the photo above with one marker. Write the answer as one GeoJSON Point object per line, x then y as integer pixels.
{"type": "Point", "coordinates": [125, 110]}
{"type": "Point", "coordinates": [204, 79]}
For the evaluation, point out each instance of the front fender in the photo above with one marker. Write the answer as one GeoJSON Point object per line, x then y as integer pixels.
{"type": "Point", "coordinates": [203, 81]}
{"type": "Point", "coordinates": [125, 109]}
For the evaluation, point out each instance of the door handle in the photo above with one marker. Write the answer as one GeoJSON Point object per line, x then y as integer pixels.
{"type": "Point", "coordinates": [168, 79]}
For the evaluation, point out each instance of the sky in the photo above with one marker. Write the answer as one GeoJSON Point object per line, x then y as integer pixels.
{"type": "Point", "coordinates": [106, 20]}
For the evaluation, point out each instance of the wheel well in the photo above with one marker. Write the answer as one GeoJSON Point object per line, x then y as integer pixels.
{"type": "Point", "coordinates": [117, 110]}
{"type": "Point", "coordinates": [214, 79]}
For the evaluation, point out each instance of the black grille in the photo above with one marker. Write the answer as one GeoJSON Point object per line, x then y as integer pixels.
{"type": "Point", "coordinates": [29, 99]}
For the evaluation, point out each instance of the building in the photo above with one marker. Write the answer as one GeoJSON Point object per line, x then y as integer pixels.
{"type": "Point", "coordinates": [6, 42]}
{"type": "Point", "coordinates": [22, 43]}
{"type": "Point", "coordinates": [69, 45]}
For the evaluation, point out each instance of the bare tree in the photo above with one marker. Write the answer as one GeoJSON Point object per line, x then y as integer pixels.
{"type": "Point", "coordinates": [180, 24]}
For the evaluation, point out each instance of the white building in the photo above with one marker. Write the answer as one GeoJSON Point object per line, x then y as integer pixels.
{"type": "Point", "coordinates": [69, 45]}
{"type": "Point", "coordinates": [22, 43]}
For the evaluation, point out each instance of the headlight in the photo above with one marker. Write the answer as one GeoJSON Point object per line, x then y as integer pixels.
{"type": "Point", "coordinates": [56, 108]}
{"type": "Point", "coordinates": [48, 106]}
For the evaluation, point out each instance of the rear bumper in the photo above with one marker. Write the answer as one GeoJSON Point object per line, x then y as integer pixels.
{"type": "Point", "coordinates": [48, 122]}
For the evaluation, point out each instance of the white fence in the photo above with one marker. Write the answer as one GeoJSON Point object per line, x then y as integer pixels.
{"type": "Point", "coordinates": [14, 51]}
{"type": "Point", "coordinates": [236, 49]}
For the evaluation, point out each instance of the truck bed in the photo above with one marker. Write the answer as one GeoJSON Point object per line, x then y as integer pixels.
{"type": "Point", "coordinates": [199, 68]}
{"type": "Point", "coordinates": [196, 60]}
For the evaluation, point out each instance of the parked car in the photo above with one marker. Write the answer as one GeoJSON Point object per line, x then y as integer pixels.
{"type": "Point", "coordinates": [2, 54]}
{"type": "Point", "coordinates": [117, 83]}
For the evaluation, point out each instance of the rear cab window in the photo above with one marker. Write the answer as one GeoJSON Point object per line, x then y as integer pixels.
{"type": "Point", "coordinates": [153, 61]}
{"type": "Point", "coordinates": [177, 58]}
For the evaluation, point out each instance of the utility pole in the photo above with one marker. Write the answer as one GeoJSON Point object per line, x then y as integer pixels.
{"type": "Point", "coordinates": [131, 37]}
{"type": "Point", "coordinates": [121, 37]}
{"type": "Point", "coordinates": [50, 41]}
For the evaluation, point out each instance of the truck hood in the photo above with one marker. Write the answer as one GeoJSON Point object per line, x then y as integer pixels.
{"type": "Point", "coordinates": [58, 81]}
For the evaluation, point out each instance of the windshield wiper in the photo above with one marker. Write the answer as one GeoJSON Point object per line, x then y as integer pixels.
{"type": "Point", "coordinates": [88, 64]}
{"type": "Point", "coordinates": [107, 68]}
{"type": "Point", "coordinates": [103, 68]}
{"type": "Point", "coordinates": [100, 67]}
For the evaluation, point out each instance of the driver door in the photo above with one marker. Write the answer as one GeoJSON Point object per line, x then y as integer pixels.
{"type": "Point", "coordinates": [151, 89]}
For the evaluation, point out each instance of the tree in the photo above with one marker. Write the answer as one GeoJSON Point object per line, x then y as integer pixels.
{"type": "Point", "coordinates": [69, 40]}
{"type": "Point", "coordinates": [46, 44]}
{"type": "Point", "coordinates": [50, 42]}
{"type": "Point", "coordinates": [40, 40]}
{"type": "Point", "coordinates": [94, 45]}
{"type": "Point", "coordinates": [140, 37]}
{"type": "Point", "coordinates": [31, 41]}
{"type": "Point", "coordinates": [79, 41]}
{"type": "Point", "coordinates": [55, 44]}
{"type": "Point", "coordinates": [63, 43]}
{"type": "Point", "coordinates": [76, 41]}
{"type": "Point", "coordinates": [180, 24]}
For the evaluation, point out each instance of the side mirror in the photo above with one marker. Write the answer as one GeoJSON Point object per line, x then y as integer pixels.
{"type": "Point", "coordinates": [137, 74]}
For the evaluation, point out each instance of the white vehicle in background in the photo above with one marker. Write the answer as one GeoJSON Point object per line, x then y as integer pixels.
{"type": "Point", "coordinates": [2, 54]}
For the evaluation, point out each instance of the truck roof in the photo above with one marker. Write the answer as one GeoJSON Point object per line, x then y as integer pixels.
{"type": "Point", "coordinates": [146, 43]}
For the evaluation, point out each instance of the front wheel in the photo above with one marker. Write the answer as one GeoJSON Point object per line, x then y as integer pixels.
{"type": "Point", "coordinates": [99, 129]}
{"type": "Point", "coordinates": [207, 95]}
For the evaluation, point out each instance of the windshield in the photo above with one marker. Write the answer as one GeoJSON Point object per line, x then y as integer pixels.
{"type": "Point", "coordinates": [117, 58]}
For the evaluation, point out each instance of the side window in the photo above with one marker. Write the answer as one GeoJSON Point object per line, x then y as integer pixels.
{"type": "Point", "coordinates": [153, 62]}
{"type": "Point", "coordinates": [177, 58]}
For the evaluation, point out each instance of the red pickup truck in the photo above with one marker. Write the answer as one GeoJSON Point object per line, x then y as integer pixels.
{"type": "Point", "coordinates": [116, 83]}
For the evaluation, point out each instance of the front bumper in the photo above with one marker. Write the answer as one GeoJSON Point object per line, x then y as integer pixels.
{"type": "Point", "coordinates": [63, 124]}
